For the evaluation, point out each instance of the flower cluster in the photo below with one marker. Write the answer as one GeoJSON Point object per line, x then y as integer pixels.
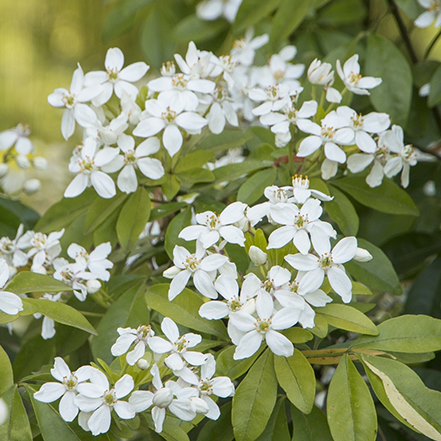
{"type": "Point", "coordinates": [271, 297]}
{"type": "Point", "coordinates": [40, 253]}
{"type": "Point", "coordinates": [17, 156]}
{"type": "Point", "coordinates": [132, 131]}
{"type": "Point", "coordinates": [181, 381]}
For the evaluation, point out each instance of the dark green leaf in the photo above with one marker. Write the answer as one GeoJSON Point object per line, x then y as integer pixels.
{"type": "Point", "coordinates": [311, 427]}
{"type": "Point", "coordinates": [252, 189]}
{"type": "Point", "coordinates": [253, 11]}
{"type": "Point", "coordinates": [26, 282]}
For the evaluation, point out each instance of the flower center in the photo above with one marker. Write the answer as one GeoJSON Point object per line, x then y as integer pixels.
{"type": "Point", "coordinates": [328, 133]}
{"type": "Point", "coordinates": [113, 75]}
{"type": "Point", "coordinates": [326, 261]}
{"type": "Point", "coordinates": [235, 305]}
{"type": "Point", "coordinates": [301, 221]}
{"type": "Point", "coordinates": [408, 152]}
{"type": "Point", "coordinates": [129, 157]}
{"type": "Point", "coordinates": [354, 78]}
{"type": "Point", "coordinates": [205, 387]}
{"type": "Point", "coordinates": [300, 181]}
{"type": "Point", "coordinates": [69, 101]}
{"type": "Point", "coordinates": [39, 241]}
{"type": "Point", "coordinates": [279, 75]}
{"type": "Point", "coordinates": [239, 44]}
{"type": "Point", "coordinates": [213, 222]}
{"type": "Point", "coordinates": [144, 332]}
{"type": "Point", "coordinates": [294, 287]}
{"type": "Point", "coordinates": [110, 398]}
{"type": "Point", "coordinates": [169, 115]}
{"type": "Point", "coordinates": [181, 344]}
{"type": "Point", "coordinates": [70, 382]}
{"type": "Point", "coordinates": [192, 263]}
{"type": "Point", "coordinates": [263, 326]}
{"type": "Point", "coordinates": [179, 81]}
{"type": "Point", "coordinates": [358, 121]}
{"type": "Point", "coordinates": [168, 68]}
{"type": "Point", "coordinates": [272, 92]}
{"type": "Point", "coordinates": [6, 245]}
{"type": "Point", "coordinates": [268, 286]}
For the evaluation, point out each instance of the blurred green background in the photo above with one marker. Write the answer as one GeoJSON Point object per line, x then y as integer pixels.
{"type": "Point", "coordinates": [42, 40]}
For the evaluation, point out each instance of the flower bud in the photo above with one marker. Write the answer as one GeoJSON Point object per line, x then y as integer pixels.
{"type": "Point", "coordinates": [257, 256]}
{"type": "Point", "coordinates": [320, 73]}
{"type": "Point", "coordinates": [198, 405]}
{"type": "Point", "coordinates": [143, 364]}
{"type": "Point", "coordinates": [32, 186]}
{"type": "Point", "coordinates": [362, 255]}
{"type": "Point", "coordinates": [23, 161]}
{"type": "Point", "coordinates": [40, 163]}
{"type": "Point", "coordinates": [163, 397]}
{"type": "Point", "coordinates": [3, 170]}
{"type": "Point", "coordinates": [93, 286]}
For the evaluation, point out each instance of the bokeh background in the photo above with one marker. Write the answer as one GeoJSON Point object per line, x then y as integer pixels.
{"type": "Point", "coordinates": [42, 40]}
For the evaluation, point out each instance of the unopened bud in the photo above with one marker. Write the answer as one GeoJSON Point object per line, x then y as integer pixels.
{"type": "Point", "coordinates": [163, 397]}
{"type": "Point", "coordinates": [23, 161]}
{"type": "Point", "coordinates": [362, 255]}
{"type": "Point", "coordinates": [320, 73]}
{"type": "Point", "coordinates": [40, 163]}
{"type": "Point", "coordinates": [93, 286]}
{"type": "Point", "coordinates": [257, 256]}
{"type": "Point", "coordinates": [32, 186]}
{"type": "Point", "coordinates": [143, 364]}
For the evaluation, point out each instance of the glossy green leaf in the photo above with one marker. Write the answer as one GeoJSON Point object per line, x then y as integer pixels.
{"type": "Point", "coordinates": [17, 427]}
{"type": "Point", "coordinates": [221, 427]}
{"type": "Point", "coordinates": [378, 274]}
{"type": "Point", "coordinates": [415, 334]}
{"type": "Point", "coordinates": [192, 28]}
{"type": "Point", "coordinates": [6, 377]}
{"type": "Point", "coordinates": [59, 312]}
{"type": "Point", "coordinates": [26, 282]}
{"type": "Point", "coordinates": [296, 377]}
{"type": "Point", "coordinates": [252, 11]}
{"type": "Point", "coordinates": [255, 399]}
{"type": "Point", "coordinates": [348, 318]}
{"type": "Point", "coordinates": [252, 189]}
{"type": "Point", "coordinates": [277, 427]}
{"type": "Point", "coordinates": [435, 88]}
{"type": "Point", "coordinates": [226, 365]}
{"type": "Point", "coordinates": [351, 410]}
{"type": "Point", "coordinates": [343, 213]}
{"type": "Point", "coordinates": [310, 427]}
{"type": "Point", "coordinates": [175, 226]}
{"type": "Point", "coordinates": [388, 198]}
{"type": "Point", "coordinates": [232, 172]}
{"type": "Point", "coordinates": [132, 219]}
{"type": "Point", "coordinates": [394, 94]}
{"type": "Point", "coordinates": [184, 309]}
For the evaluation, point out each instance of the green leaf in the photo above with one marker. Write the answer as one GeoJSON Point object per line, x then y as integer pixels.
{"type": "Point", "coordinates": [348, 318]}
{"type": "Point", "coordinates": [227, 365]}
{"type": "Point", "coordinates": [415, 334]}
{"type": "Point", "coordinates": [6, 377]}
{"type": "Point", "coordinates": [277, 427]}
{"type": "Point", "coordinates": [192, 28]}
{"type": "Point", "coordinates": [351, 410]}
{"type": "Point", "coordinates": [17, 427]}
{"type": "Point", "coordinates": [228, 139]}
{"type": "Point", "coordinates": [343, 213]}
{"type": "Point", "coordinates": [311, 427]}
{"type": "Point", "coordinates": [59, 312]}
{"type": "Point", "coordinates": [252, 189]}
{"type": "Point", "coordinates": [51, 425]}
{"type": "Point", "coordinates": [14, 213]}
{"type": "Point", "coordinates": [407, 395]}
{"type": "Point", "coordinates": [184, 310]}
{"type": "Point", "coordinates": [101, 210]}
{"type": "Point", "coordinates": [133, 218]}
{"type": "Point", "coordinates": [255, 399]}
{"type": "Point", "coordinates": [394, 94]}
{"type": "Point", "coordinates": [388, 198]}
{"type": "Point", "coordinates": [193, 161]}
{"type": "Point", "coordinates": [26, 282]}
{"type": "Point", "coordinates": [118, 315]}
{"type": "Point", "coordinates": [253, 11]}
{"type": "Point", "coordinates": [231, 172]}
{"type": "Point", "coordinates": [296, 377]}
{"type": "Point", "coordinates": [378, 273]}
{"type": "Point", "coordinates": [221, 427]}
{"type": "Point", "coordinates": [435, 88]}
{"type": "Point", "coordinates": [287, 19]}
{"type": "Point", "coordinates": [166, 209]}
{"type": "Point", "coordinates": [176, 225]}
{"type": "Point", "coordinates": [298, 335]}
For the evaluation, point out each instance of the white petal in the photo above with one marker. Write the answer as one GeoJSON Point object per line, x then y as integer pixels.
{"type": "Point", "coordinates": [309, 145]}
{"type": "Point", "coordinates": [340, 283]}
{"type": "Point", "coordinates": [204, 284]}
{"type": "Point", "coordinates": [100, 420]}
{"type": "Point", "coordinates": [301, 262]}
{"type": "Point", "coordinates": [214, 310]}
{"type": "Point", "coordinates": [279, 344]}
{"type": "Point", "coordinates": [103, 184]}
{"type": "Point", "coordinates": [114, 59]}
{"type": "Point", "coordinates": [151, 168]}
{"type": "Point", "coordinates": [170, 329]}
{"type": "Point", "coordinates": [124, 410]}
{"type": "Point", "coordinates": [127, 180]}
{"type": "Point", "coordinates": [172, 139]}
{"type": "Point", "coordinates": [248, 345]}
{"type": "Point", "coordinates": [280, 237]}
{"type": "Point", "coordinates": [50, 392]}
{"type": "Point", "coordinates": [68, 409]}
{"type": "Point", "coordinates": [345, 250]}
{"type": "Point", "coordinates": [134, 72]}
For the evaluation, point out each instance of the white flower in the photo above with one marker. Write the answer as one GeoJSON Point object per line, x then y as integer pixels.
{"type": "Point", "coordinates": [202, 268]}
{"type": "Point", "coordinates": [18, 138]}
{"type": "Point", "coordinates": [178, 349]}
{"type": "Point", "coordinates": [214, 9]}
{"type": "Point", "coordinates": [127, 338]}
{"type": "Point", "coordinates": [351, 77]}
{"type": "Point", "coordinates": [403, 156]}
{"type": "Point", "coordinates": [212, 227]}
{"type": "Point", "coordinates": [257, 256]}
{"type": "Point", "coordinates": [432, 14]}
{"type": "Point", "coordinates": [133, 159]}
{"type": "Point", "coordinates": [299, 224]}
{"type": "Point", "coordinates": [228, 288]}
{"type": "Point", "coordinates": [96, 261]}
{"type": "Point", "coordinates": [13, 250]}
{"type": "Point", "coordinates": [88, 166]}
{"type": "Point", "coordinates": [273, 98]}
{"type": "Point", "coordinates": [264, 327]}
{"type": "Point", "coordinates": [116, 78]}
{"type": "Point", "coordinates": [221, 111]}
{"type": "Point", "coordinates": [359, 161]}
{"type": "Point", "coordinates": [179, 400]}
{"type": "Point", "coordinates": [73, 101]}
{"type": "Point", "coordinates": [10, 303]}
{"type": "Point", "coordinates": [66, 388]}
{"type": "Point", "coordinates": [364, 126]}
{"type": "Point", "coordinates": [320, 73]}
{"type": "Point", "coordinates": [219, 386]}
{"type": "Point", "coordinates": [168, 116]}
{"type": "Point", "coordinates": [244, 50]}
{"type": "Point", "coordinates": [328, 262]}
{"type": "Point", "coordinates": [301, 191]}
{"type": "Point", "coordinates": [48, 325]}
{"type": "Point", "coordinates": [97, 398]}
{"type": "Point", "coordinates": [332, 133]}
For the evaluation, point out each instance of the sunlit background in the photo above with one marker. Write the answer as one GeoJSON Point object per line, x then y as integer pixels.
{"type": "Point", "coordinates": [42, 40]}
